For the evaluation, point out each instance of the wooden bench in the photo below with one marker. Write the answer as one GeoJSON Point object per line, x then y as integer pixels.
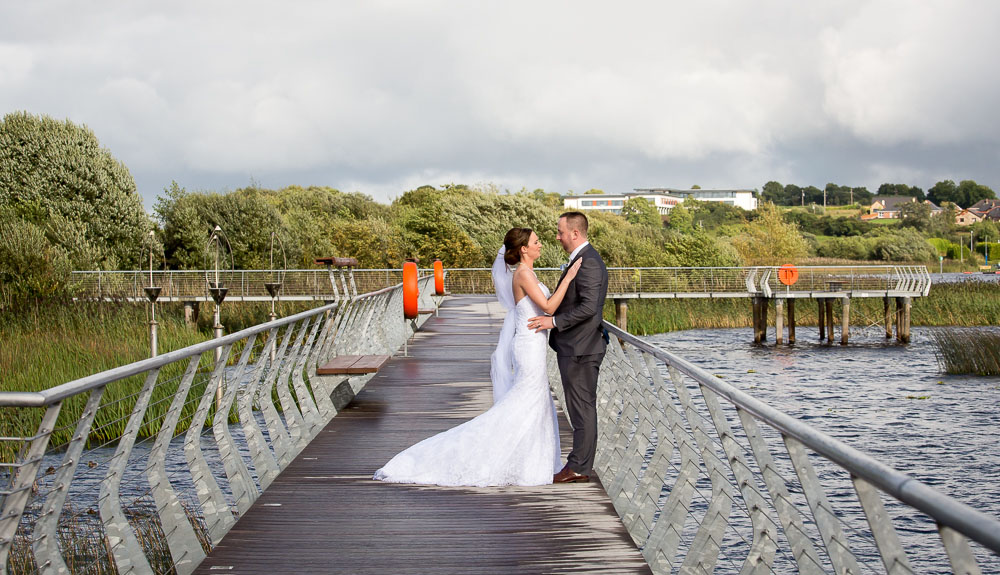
{"type": "Point", "coordinates": [353, 365]}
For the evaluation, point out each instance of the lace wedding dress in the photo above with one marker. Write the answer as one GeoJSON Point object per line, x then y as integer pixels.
{"type": "Point", "coordinates": [515, 442]}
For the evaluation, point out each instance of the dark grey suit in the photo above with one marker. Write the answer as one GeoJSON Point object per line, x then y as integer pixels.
{"type": "Point", "coordinates": [579, 341]}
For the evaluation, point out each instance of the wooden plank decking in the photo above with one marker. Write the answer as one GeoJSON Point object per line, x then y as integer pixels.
{"type": "Point", "coordinates": [324, 514]}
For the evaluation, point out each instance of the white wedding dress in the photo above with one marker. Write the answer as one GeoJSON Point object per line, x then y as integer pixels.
{"type": "Point", "coordinates": [515, 442]}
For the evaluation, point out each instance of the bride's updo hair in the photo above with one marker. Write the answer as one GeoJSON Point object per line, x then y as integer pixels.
{"type": "Point", "coordinates": [515, 239]}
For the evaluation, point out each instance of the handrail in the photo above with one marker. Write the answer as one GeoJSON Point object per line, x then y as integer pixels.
{"type": "Point", "coordinates": [659, 448]}
{"type": "Point", "coordinates": [312, 284]}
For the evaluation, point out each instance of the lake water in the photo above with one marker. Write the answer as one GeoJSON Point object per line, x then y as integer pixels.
{"type": "Point", "coordinates": [888, 400]}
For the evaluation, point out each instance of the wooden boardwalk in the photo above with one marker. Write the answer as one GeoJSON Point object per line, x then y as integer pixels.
{"type": "Point", "coordinates": [324, 513]}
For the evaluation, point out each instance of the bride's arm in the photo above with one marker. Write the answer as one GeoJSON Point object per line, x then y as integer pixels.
{"type": "Point", "coordinates": [527, 282]}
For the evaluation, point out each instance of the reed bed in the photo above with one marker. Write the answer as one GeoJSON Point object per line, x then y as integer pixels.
{"type": "Point", "coordinates": [967, 350]}
{"type": "Point", "coordinates": [86, 549]}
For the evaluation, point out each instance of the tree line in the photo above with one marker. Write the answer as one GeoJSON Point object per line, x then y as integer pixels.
{"type": "Point", "coordinates": [964, 194]}
{"type": "Point", "coordinates": [67, 204]}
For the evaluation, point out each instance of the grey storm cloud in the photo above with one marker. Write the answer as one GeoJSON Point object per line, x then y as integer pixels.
{"type": "Point", "coordinates": [384, 96]}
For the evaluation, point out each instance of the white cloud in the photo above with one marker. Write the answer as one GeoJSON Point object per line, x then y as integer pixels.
{"type": "Point", "coordinates": [381, 96]}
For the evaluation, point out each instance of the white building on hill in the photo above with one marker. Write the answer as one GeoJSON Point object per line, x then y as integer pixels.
{"type": "Point", "coordinates": [746, 199]}
{"type": "Point", "coordinates": [613, 202]}
{"type": "Point", "coordinates": [663, 198]}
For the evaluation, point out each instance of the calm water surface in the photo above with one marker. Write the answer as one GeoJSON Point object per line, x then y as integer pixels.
{"type": "Point", "coordinates": [888, 400]}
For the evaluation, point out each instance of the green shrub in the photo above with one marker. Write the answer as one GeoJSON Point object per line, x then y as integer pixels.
{"type": "Point", "coordinates": [31, 267]}
{"type": "Point", "coordinates": [848, 247]}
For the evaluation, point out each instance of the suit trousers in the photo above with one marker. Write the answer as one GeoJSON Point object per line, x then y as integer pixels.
{"type": "Point", "coordinates": [579, 379]}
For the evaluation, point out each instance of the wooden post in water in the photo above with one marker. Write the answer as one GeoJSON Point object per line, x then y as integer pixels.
{"type": "Point", "coordinates": [764, 303]}
{"type": "Point", "coordinates": [821, 315]}
{"type": "Point", "coordinates": [899, 319]}
{"type": "Point", "coordinates": [755, 318]}
{"type": "Point", "coordinates": [829, 320]}
{"type": "Point", "coordinates": [887, 313]}
{"type": "Point", "coordinates": [845, 319]}
{"type": "Point", "coordinates": [907, 304]}
{"type": "Point", "coordinates": [779, 316]}
{"type": "Point", "coordinates": [621, 313]}
{"type": "Point", "coordinates": [791, 321]}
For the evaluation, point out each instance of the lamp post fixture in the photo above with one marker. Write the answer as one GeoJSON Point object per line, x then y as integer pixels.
{"type": "Point", "coordinates": [217, 289]}
{"type": "Point", "coordinates": [152, 294]}
{"type": "Point", "coordinates": [273, 286]}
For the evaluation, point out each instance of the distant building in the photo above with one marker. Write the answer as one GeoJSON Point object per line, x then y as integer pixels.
{"type": "Point", "coordinates": [746, 199]}
{"type": "Point", "coordinates": [967, 218]}
{"type": "Point", "coordinates": [613, 202]}
{"type": "Point", "coordinates": [987, 209]}
{"type": "Point", "coordinates": [888, 206]}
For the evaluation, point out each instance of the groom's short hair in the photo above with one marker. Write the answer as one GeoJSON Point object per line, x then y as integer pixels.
{"type": "Point", "coordinates": [576, 221]}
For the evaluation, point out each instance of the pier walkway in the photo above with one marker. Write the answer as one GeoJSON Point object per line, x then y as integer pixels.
{"type": "Point", "coordinates": [324, 514]}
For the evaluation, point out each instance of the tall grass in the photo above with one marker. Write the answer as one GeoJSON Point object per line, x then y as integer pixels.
{"type": "Point", "coordinates": [968, 350]}
{"type": "Point", "coordinates": [45, 346]}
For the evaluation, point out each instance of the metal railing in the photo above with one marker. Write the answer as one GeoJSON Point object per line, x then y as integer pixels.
{"type": "Point", "coordinates": [705, 477]}
{"type": "Point", "coordinates": [248, 285]}
{"type": "Point", "coordinates": [149, 464]}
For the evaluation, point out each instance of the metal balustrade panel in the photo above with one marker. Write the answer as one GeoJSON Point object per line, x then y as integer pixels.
{"type": "Point", "coordinates": [181, 538]}
{"type": "Point", "coordinates": [728, 440]}
{"type": "Point", "coordinates": [184, 523]}
{"type": "Point", "coordinates": [125, 548]}
{"type": "Point", "coordinates": [241, 485]}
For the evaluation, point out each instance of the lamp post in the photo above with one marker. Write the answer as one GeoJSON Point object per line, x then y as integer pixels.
{"type": "Point", "coordinates": [273, 286]}
{"type": "Point", "coordinates": [217, 290]}
{"type": "Point", "coordinates": [152, 294]}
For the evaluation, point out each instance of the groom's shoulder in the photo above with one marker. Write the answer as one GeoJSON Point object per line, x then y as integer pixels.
{"type": "Point", "coordinates": [593, 253]}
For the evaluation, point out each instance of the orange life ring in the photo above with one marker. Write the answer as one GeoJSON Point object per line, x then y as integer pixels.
{"type": "Point", "coordinates": [788, 274]}
{"type": "Point", "coordinates": [438, 277]}
{"type": "Point", "coordinates": [410, 290]}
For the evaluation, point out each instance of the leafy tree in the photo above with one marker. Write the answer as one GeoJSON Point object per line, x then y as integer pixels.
{"type": "Point", "coordinates": [31, 267]}
{"type": "Point", "coordinates": [712, 216]}
{"type": "Point", "coordinates": [642, 212]}
{"type": "Point", "coordinates": [902, 245]}
{"type": "Point", "coordinates": [970, 192]}
{"type": "Point", "coordinates": [848, 248]}
{"type": "Point", "coordinates": [681, 220]}
{"type": "Point", "coordinates": [593, 191]}
{"type": "Point", "coordinates": [944, 191]}
{"type": "Point", "coordinates": [58, 171]}
{"type": "Point", "coordinates": [915, 215]}
{"type": "Point", "coordinates": [245, 216]}
{"type": "Point", "coordinates": [769, 239]}
{"type": "Point", "coordinates": [774, 192]}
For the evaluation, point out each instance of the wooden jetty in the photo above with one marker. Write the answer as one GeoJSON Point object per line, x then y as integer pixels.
{"type": "Point", "coordinates": [324, 513]}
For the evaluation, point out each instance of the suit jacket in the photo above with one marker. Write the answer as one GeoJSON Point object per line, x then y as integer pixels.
{"type": "Point", "coordinates": [579, 317]}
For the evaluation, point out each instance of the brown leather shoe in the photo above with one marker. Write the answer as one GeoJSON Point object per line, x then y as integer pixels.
{"type": "Point", "coordinates": [567, 475]}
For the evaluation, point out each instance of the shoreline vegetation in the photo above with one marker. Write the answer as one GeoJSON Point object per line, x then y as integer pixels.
{"type": "Point", "coordinates": [55, 343]}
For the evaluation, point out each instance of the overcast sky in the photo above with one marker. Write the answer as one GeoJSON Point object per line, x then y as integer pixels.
{"type": "Point", "coordinates": [383, 96]}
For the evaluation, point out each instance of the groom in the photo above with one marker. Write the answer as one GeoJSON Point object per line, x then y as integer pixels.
{"type": "Point", "coordinates": [579, 340]}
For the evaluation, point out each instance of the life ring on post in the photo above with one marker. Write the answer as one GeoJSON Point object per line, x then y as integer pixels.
{"type": "Point", "coordinates": [410, 290]}
{"type": "Point", "coordinates": [438, 277]}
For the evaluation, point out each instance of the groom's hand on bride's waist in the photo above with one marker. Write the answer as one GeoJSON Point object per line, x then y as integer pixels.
{"type": "Point", "coordinates": [541, 322]}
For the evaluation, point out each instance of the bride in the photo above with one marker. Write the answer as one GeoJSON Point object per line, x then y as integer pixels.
{"type": "Point", "coordinates": [515, 442]}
